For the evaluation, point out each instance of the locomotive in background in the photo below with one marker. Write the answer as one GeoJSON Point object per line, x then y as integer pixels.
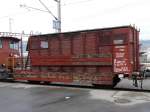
{"type": "Point", "coordinates": [9, 54]}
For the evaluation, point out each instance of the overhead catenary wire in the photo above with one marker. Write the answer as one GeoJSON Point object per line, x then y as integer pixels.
{"type": "Point", "coordinates": [93, 15]}
{"type": "Point", "coordinates": [13, 15]}
{"type": "Point", "coordinates": [77, 2]}
{"type": "Point", "coordinates": [36, 9]}
{"type": "Point", "coordinates": [64, 4]}
{"type": "Point", "coordinates": [48, 10]}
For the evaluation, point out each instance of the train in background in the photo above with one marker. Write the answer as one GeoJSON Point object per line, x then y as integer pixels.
{"type": "Point", "coordinates": [9, 52]}
{"type": "Point", "coordinates": [88, 57]}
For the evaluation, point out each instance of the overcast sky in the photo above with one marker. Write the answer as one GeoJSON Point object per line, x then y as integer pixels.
{"type": "Point", "coordinates": [76, 15]}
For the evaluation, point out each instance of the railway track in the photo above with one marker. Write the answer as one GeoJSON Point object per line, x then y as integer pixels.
{"type": "Point", "coordinates": [81, 86]}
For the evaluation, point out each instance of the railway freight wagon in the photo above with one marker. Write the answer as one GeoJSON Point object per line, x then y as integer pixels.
{"type": "Point", "coordinates": [9, 52]}
{"type": "Point", "coordinates": [89, 57]}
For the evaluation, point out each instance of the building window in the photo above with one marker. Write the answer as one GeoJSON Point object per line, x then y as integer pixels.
{"type": "Point", "coordinates": [119, 40]}
{"type": "Point", "coordinates": [105, 40]}
{"type": "Point", "coordinates": [1, 44]}
{"type": "Point", "coordinates": [13, 45]}
{"type": "Point", "coordinates": [44, 44]}
{"type": "Point", "coordinates": [34, 44]}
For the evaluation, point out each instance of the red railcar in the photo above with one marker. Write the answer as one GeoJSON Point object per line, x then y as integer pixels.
{"type": "Point", "coordinates": [9, 51]}
{"type": "Point", "coordinates": [8, 46]}
{"type": "Point", "coordinates": [86, 57]}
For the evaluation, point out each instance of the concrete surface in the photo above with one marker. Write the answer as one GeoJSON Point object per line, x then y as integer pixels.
{"type": "Point", "coordinates": [19, 97]}
{"type": "Point", "coordinates": [126, 83]}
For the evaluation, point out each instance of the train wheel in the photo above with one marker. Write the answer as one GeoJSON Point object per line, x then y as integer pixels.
{"type": "Point", "coordinates": [116, 80]}
{"type": "Point", "coordinates": [46, 82]}
{"type": "Point", "coordinates": [103, 86]}
{"type": "Point", "coordinates": [34, 82]}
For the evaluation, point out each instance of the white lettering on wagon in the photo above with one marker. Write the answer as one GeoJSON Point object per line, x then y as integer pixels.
{"type": "Point", "coordinates": [121, 63]}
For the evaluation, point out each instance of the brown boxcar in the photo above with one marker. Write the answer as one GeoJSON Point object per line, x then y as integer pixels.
{"type": "Point", "coordinates": [86, 57]}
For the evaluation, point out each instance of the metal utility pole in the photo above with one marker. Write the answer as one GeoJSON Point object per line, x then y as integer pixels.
{"type": "Point", "coordinates": [57, 21]}
{"type": "Point", "coordinates": [10, 24]}
{"type": "Point", "coordinates": [59, 14]}
{"type": "Point", "coordinates": [47, 9]}
{"type": "Point", "coordinates": [21, 50]}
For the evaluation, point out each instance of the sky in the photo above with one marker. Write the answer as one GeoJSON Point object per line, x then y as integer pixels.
{"type": "Point", "coordinates": [76, 15]}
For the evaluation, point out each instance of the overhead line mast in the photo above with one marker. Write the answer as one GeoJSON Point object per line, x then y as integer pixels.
{"type": "Point", "coordinates": [58, 18]}
{"type": "Point", "coordinates": [57, 21]}
{"type": "Point", "coordinates": [59, 14]}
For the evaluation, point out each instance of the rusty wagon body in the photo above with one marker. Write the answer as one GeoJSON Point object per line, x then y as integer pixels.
{"type": "Point", "coordinates": [96, 56]}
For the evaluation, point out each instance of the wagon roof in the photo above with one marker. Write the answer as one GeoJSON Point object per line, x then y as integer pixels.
{"type": "Point", "coordinates": [10, 38]}
{"type": "Point", "coordinates": [87, 30]}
